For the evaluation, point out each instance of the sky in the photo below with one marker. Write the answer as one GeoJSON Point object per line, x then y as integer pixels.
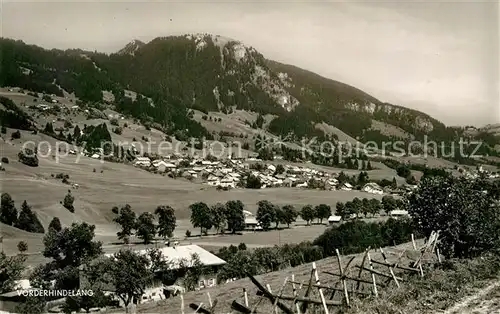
{"type": "Point", "coordinates": [438, 57]}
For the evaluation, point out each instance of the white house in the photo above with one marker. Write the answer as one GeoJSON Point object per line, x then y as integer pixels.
{"type": "Point", "coordinates": [163, 166]}
{"type": "Point", "coordinates": [177, 256]}
{"type": "Point", "coordinates": [142, 161]}
{"type": "Point", "coordinates": [373, 188]}
{"type": "Point", "coordinates": [334, 219]}
{"type": "Point", "coordinates": [398, 213]}
{"type": "Point", "coordinates": [227, 181]}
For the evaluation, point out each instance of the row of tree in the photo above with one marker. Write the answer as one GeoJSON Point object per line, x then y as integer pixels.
{"type": "Point", "coordinates": [26, 220]}
{"type": "Point", "coordinates": [144, 225]}
{"type": "Point", "coordinates": [358, 207]}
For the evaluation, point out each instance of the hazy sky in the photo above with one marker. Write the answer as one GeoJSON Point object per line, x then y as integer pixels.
{"type": "Point", "coordinates": [441, 57]}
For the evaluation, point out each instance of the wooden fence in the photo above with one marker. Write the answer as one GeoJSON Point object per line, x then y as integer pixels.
{"type": "Point", "coordinates": [362, 280]}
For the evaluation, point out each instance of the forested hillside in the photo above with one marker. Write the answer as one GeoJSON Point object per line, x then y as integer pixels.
{"type": "Point", "coordinates": [210, 73]}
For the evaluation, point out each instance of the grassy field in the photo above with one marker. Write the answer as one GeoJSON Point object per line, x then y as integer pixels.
{"type": "Point", "coordinates": [120, 184]}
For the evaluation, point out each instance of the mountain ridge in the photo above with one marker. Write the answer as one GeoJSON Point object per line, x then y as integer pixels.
{"type": "Point", "coordinates": [213, 73]}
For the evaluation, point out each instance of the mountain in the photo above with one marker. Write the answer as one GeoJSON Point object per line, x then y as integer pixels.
{"type": "Point", "coordinates": [212, 73]}
{"type": "Point", "coordinates": [131, 47]}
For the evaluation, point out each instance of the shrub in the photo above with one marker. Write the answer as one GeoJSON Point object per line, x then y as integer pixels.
{"type": "Point", "coordinates": [188, 233]}
{"type": "Point", "coordinates": [28, 157]}
{"type": "Point", "coordinates": [16, 135]}
{"type": "Point", "coordinates": [22, 246]}
{"type": "Point", "coordinates": [356, 236]}
{"type": "Point", "coordinates": [114, 121]}
{"type": "Point", "coordinates": [5, 160]}
{"type": "Point", "coordinates": [3, 130]}
{"type": "Point", "coordinates": [68, 202]}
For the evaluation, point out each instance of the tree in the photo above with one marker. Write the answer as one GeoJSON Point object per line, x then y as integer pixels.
{"type": "Point", "coordinates": [375, 206]}
{"type": "Point", "coordinates": [253, 182]}
{"type": "Point", "coordinates": [218, 214]}
{"type": "Point", "coordinates": [68, 202]}
{"type": "Point", "coordinates": [365, 207]}
{"type": "Point", "coordinates": [146, 229]}
{"type": "Point", "coordinates": [166, 221]}
{"type": "Point", "coordinates": [8, 211]}
{"type": "Point", "coordinates": [322, 211]}
{"type": "Point", "coordinates": [279, 216]}
{"type": "Point", "coordinates": [127, 220]}
{"type": "Point", "coordinates": [28, 157]}
{"type": "Point", "coordinates": [388, 203]}
{"type": "Point", "coordinates": [22, 246]}
{"type": "Point", "coordinates": [129, 275]}
{"type": "Point", "coordinates": [11, 270]}
{"type": "Point", "coordinates": [16, 135]}
{"type": "Point", "coordinates": [77, 132]}
{"type": "Point", "coordinates": [193, 269]}
{"type": "Point", "coordinates": [356, 206]}
{"type": "Point", "coordinates": [266, 214]}
{"type": "Point", "coordinates": [465, 212]}
{"type": "Point", "coordinates": [69, 249]}
{"type": "Point", "coordinates": [307, 213]}
{"type": "Point", "coordinates": [289, 214]}
{"type": "Point", "coordinates": [200, 216]}
{"type": "Point", "coordinates": [403, 171]}
{"type": "Point", "coordinates": [28, 220]}
{"type": "Point", "coordinates": [341, 210]}
{"type": "Point", "coordinates": [394, 184]}
{"type": "Point", "coordinates": [279, 169]}
{"type": "Point", "coordinates": [234, 216]}
{"type": "Point", "coordinates": [55, 224]}
{"type": "Point", "coordinates": [362, 178]}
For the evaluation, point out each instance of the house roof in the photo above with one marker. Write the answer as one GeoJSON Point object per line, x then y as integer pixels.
{"type": "Point", "coordinates": [398, 212]}
{"type": "Point", "coordinates": [178, 253]}
{"type": "Point", "coordinates": [334, 218]}
{"type": "Point", "coordinates": [373, 185]}
{"type": "Point", "coordinates": [250, 220]}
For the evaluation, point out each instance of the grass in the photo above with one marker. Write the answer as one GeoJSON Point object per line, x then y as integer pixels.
{"type": "Point", "coordinates": [120, 184]}
{"type": "Point", "coordinates": [439, 290]}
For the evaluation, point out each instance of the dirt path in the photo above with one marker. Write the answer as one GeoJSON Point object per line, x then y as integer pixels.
{"type": "Point", "coordinates": [484, 301]}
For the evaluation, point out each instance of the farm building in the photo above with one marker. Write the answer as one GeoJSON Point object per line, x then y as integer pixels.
{"type": "Point", "coordinates": [142, 161]}
{"type": "Point", "coordinates": [334, 219]}
{"type": "Point", "coordinates": [163, 166]}
{"type": "Point", "coordinates": [398, 213]}
{"type": "Point", "coordinates": [251, 222]}
{"type": "Point", "coordinates": [180, 259]}
{"type": "Point", "coordinates": [373, 188]}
